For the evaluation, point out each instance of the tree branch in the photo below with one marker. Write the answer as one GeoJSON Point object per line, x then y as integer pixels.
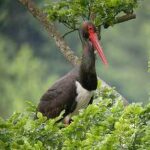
{"type": "Point", "coordinates": [52, 31]}
{"type": "Point", "coordinates": [124, 18]}
{"type": "Point", "coordinates": [121, 19]}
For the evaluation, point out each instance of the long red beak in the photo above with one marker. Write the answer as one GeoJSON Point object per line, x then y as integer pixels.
{"type": "Point", "coordinates": [94, 39]}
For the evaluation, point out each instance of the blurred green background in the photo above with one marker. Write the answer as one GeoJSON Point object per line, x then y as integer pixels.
{"type": "Point", "coordinates": [30, 62]}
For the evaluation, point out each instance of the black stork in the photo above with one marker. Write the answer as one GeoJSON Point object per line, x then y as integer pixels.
{"type": "Point", "coordinates": [74, 91]}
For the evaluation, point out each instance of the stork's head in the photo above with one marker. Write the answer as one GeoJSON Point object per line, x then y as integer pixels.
{"type": "Point", "coordinates": [88, 31]}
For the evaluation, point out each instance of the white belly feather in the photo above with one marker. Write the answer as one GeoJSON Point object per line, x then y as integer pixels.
{"type": "Point", "coordinates": [83, 98]}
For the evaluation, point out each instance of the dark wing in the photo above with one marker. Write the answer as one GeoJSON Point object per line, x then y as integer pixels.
{"type": "Point", "coordinates": [61, 96]}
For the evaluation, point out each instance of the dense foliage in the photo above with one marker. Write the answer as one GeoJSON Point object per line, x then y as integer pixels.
{"type": "Point", "coordinates": [71, 12]}
{"type": "Point", "coordinates": [104, 125]}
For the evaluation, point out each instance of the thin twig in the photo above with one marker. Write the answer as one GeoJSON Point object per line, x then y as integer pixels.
{"type": "Point", "coordinates": [66, 25]}
{"type": "Point", "coordinates": [82, 18]}
{"type": "Point", "coordinates": [89, 14]}
{"type": "Point", "coordinates": [99, 32]}
{"type": "Point", "coordinates": [80, 36]}
{"type": "Point", "coordinates": [69, 32]}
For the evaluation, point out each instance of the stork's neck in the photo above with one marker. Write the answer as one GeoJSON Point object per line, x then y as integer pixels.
{"type": "Point", "coordinates": [88, 77]}
{"type": "Point", "coordinates": [88, 57]}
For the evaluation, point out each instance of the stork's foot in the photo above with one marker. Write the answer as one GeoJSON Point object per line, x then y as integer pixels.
{"type": "Point", "coordinates": [67, 120]}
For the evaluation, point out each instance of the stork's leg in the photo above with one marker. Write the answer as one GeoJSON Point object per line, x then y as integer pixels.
{"type": "Point", "coordinates": [67, 120]}
{"type": "Point", "coordinates": [91, 100]}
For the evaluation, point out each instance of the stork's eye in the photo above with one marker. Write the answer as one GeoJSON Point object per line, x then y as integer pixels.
{"type": "Point", "coordinates": [90, 28]}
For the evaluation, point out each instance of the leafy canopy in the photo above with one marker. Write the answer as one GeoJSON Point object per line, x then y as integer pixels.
{"type": "Point", "coordinates": [72, 12]}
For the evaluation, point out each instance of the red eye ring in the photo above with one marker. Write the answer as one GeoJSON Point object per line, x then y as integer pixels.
{"type": "Point", "coordinates": [90, 28]}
